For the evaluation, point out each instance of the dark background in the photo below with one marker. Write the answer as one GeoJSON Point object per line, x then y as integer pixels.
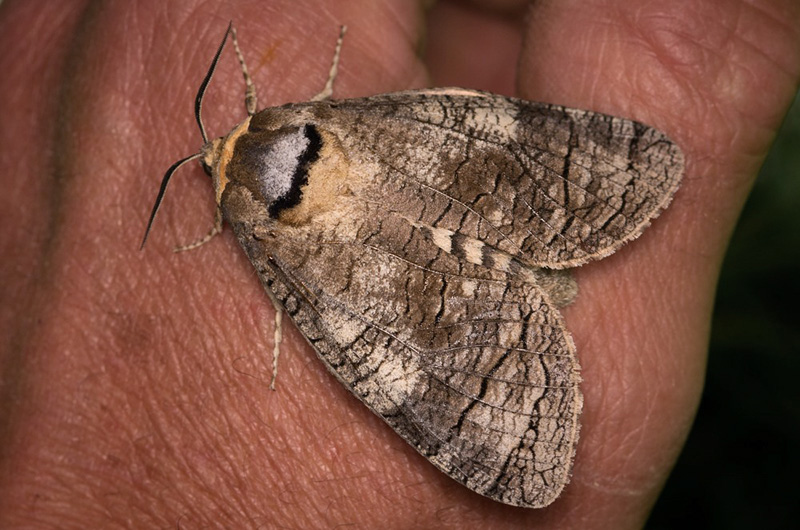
{"type": "Point", "coordinates": [741, 464]}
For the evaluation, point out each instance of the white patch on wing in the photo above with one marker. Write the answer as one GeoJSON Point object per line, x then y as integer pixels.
{"type": "Point", "coordinates": [442, 238]}
{"type": "Point", "coordinates": [473, 250]}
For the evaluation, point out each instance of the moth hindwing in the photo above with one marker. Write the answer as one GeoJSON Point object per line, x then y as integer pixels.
{"type": "Point", "coordinates": [417, 240]}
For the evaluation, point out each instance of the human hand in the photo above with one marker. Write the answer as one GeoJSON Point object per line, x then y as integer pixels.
{"type": "Point", "coordinates": [135, 384]}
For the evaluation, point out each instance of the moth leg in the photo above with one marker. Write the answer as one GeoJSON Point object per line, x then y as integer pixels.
{"type": "Point", "coordinates": [328, 90]}
{"type": "Point", "coordinates": [250, 96]}
{"type": "Point", "coordinates": [276, 351]}
{"type": "Point", "coordinates": [278, 337]}
{"type": "Point", "coordinates": [216, 229]}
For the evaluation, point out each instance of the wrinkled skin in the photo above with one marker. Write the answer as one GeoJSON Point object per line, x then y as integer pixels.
{"type": "Point", "coordinates": [134, 384]}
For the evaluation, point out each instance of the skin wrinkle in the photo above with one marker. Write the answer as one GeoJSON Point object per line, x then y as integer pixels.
{"type": "Point", "coordinates": [410, 32]}
{"type": "Point", "coordinates": [593, 84]}
{"type": "Point", "coordinates": [388, 67]}
{"type": "Point", "coordinates": [15, 381]}
{"type": "Point", "coordinates": [781, 21]}
{"type": "Point", "coordinates": [728, 39]}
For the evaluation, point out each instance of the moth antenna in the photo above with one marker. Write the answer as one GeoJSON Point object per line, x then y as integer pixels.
{"type": "Point", "coordinates": [201, 92]}
{"type": "Point", "coordinates": [164, 182]}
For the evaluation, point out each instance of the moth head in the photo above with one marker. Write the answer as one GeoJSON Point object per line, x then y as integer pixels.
{"type": "Point", "coordinates": [216, 155]}
{"type": "Point", "coordinates": [290, 168]}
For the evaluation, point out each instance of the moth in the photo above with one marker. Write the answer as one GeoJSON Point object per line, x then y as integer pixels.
{"type": "Point", "coordinates": [419, 241]}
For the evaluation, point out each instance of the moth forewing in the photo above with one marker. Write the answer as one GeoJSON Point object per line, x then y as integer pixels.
{"type": "Point", "coordinates": [414, 238]}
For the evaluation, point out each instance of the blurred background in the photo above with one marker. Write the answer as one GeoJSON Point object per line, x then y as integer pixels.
{"type": "Point", "coordinates": [740, 467]}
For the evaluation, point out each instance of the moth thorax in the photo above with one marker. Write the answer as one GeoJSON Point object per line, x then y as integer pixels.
{"type": "Point", "coordinates": [279, 164]}
{"type": "Point", "coordinates": [297, 173]}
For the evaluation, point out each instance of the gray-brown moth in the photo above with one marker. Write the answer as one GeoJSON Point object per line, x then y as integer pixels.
{"type": "Point", "coordinates": [418, 241]}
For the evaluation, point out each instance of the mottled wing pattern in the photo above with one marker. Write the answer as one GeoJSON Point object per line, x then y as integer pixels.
{"type": "Point", "coordinates": [474, 369]}
{"type": "Point", "coordinates": [415, 284]}
{"type": "Point", "coordinates": [555, 186]}
{"type": "Point", "coordinates": [404, 235]}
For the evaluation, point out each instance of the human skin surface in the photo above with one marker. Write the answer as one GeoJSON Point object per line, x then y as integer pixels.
{"type": "Point", "coordinates": [135, 384]}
